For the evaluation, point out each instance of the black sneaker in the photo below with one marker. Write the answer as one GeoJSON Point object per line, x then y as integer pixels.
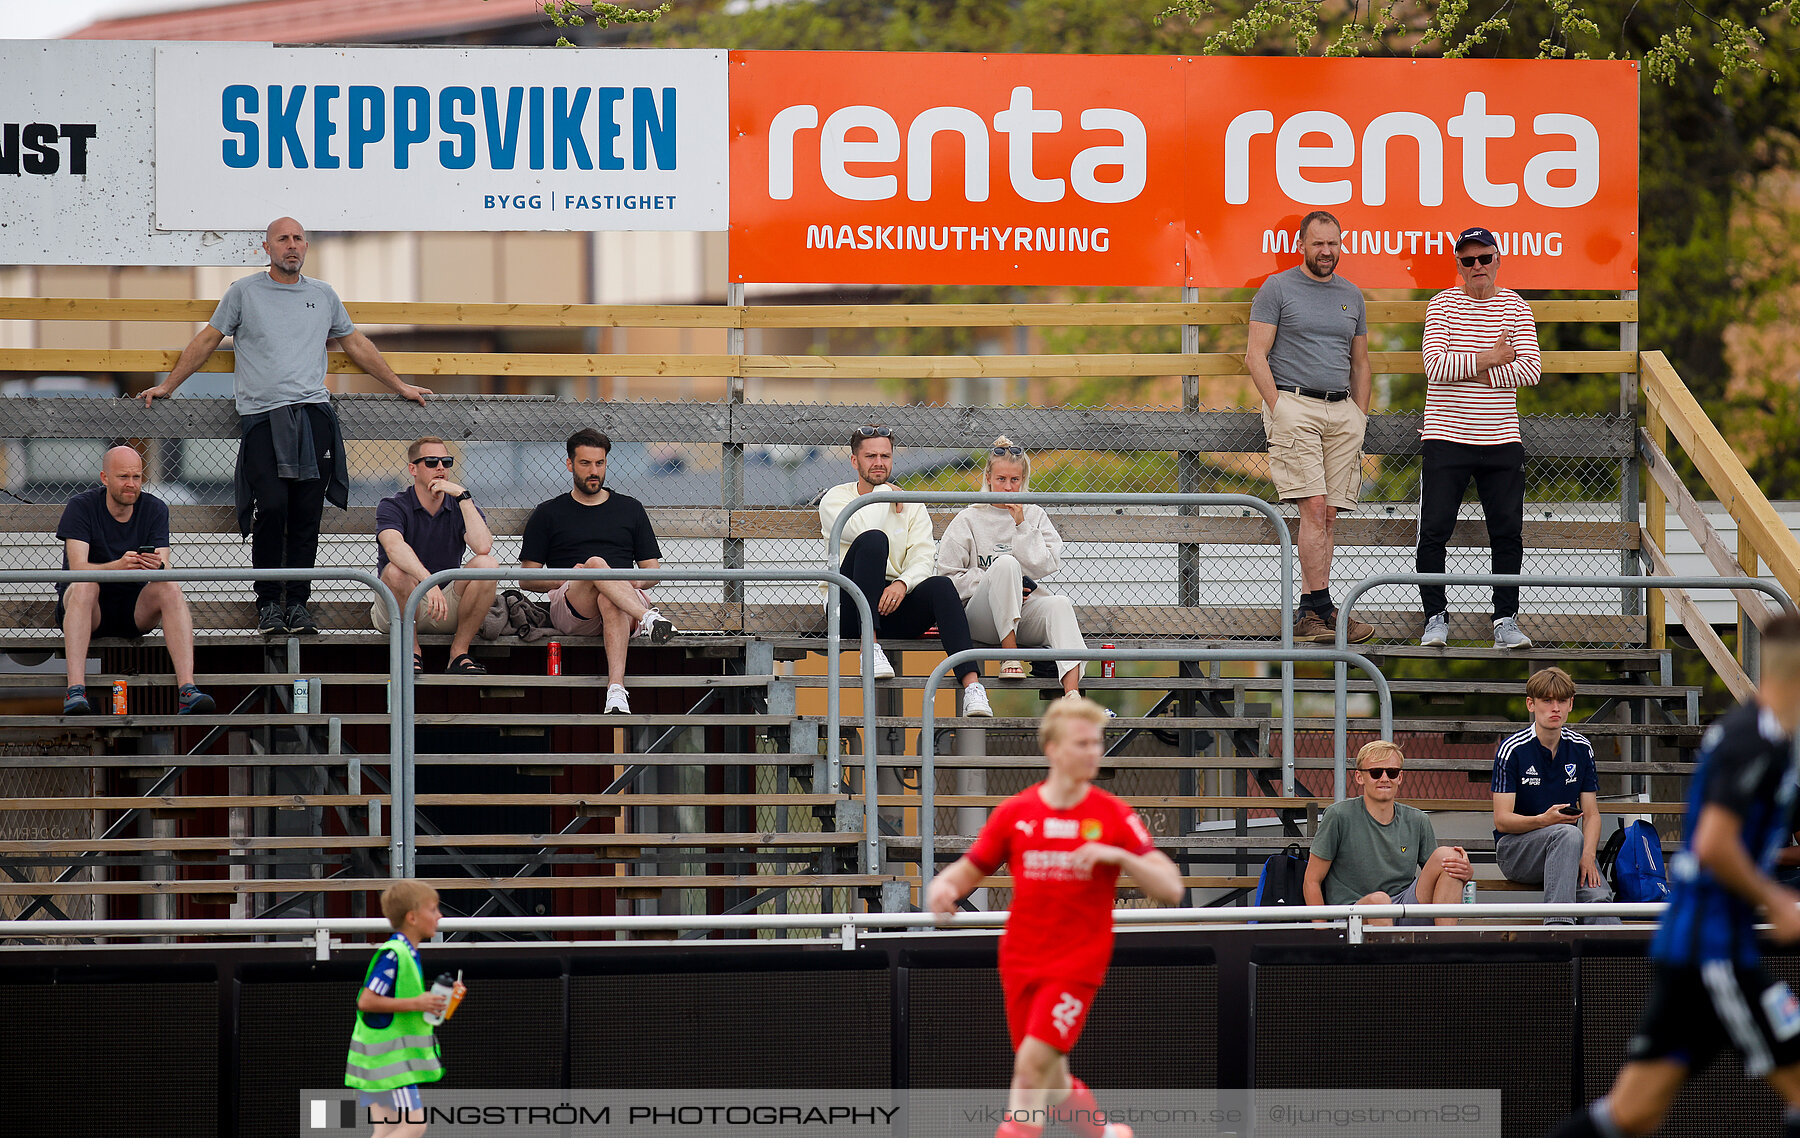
{"type": "Point", "coordinates": [75, 701]}
{"type": "Point", "coordinates": [300, 621]}
{"type": "Point", "coordinates": [193, 701]}
{"type": "Point", "coordinates": [269, 620]}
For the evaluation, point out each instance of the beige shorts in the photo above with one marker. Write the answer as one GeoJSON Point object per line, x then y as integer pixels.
{"type": "Point", "coordinates": [427, 622]}
{"type": "Point", "coordinates": [1315, 448]}
{"type": "Point", "coordinates": [571, 623]}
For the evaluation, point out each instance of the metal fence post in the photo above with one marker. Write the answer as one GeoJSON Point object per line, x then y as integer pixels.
{"type": "Point", "coordinates": [731, 452]}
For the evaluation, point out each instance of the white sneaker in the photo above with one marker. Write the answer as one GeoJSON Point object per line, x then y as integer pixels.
{"type": "Point", "coordinates": [1508, 635]}
{"type": "Point", "coordinates": [652, 626]}
{"type": "Point", "coordinates": [975, 702]}
{"type": "Point", "coordinates": [1110, 713]}
{"type": "Point", "coordinates": [618, 700]}
{"type": "Point", "coordinates": [884, 670]}
{"type": "Point", "coordinates": [1437, 632]}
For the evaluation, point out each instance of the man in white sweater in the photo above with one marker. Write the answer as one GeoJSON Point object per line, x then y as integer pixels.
{"type": "Point", "coordinates": [889, 552]}
{"type": "Point", "coordinates": [1480, 347]}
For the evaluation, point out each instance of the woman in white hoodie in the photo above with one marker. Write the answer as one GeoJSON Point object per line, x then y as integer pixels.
{"type": "Point", "coordinates": [996, 555]}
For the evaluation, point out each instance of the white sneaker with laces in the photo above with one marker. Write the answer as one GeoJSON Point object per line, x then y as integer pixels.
{"type": "Point", "coordinates": [654, 627]}
{"type": "Point", "coordinates": [1437, 632]}
{"type": "Point", "coordinates": [883, 669]}
{"type": "Point", "coordinates": [1110, 713]}
{"type": "Point", "coordinates": [1508, 635]}
{"type": "Point", "coordinates": [975, 702]}
{"type": "Point", "coordinates": [618, 701]}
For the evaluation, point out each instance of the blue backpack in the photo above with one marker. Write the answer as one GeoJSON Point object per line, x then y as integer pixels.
{"type": "Point", "coordinates": [1283, 878]}
{"type": "Point", "coordinates": [1632, 863]}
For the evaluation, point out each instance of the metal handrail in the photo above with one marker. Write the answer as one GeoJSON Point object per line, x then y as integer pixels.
{"type": "Point", "coordinates": [1616, 581]}
{"type": "Point", "coordinates": [319, 930]}
{"type": "Point", "coordinates": [927, 733]}
{"type": "Point", "coordinates": [396, 853]}
{"type": "Point", "coordinates": [834, 581]}
{"type": "Point", "coordinates": [1245, 501]}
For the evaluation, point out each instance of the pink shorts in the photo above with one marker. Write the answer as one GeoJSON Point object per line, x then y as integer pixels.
{"type": "Point", "coordinates": [567, 621]}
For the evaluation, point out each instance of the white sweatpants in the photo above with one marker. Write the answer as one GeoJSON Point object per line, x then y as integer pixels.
{"type": "Point", "coordinates": [999, 606]}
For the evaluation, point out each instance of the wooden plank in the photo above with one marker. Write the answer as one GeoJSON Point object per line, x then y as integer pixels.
{"type": "Point", "coordinates": [1417, 725]}
{"type": "Point", "coordinates": [1723, 561]}
{"type": "Point", "coordinates": [668, 521]}
{"type": "Point", "coordinates": [213, 612]}
{"type": "Point", "coordinates": [774, 316]}
{"type": "Point", "coordinates": [1705, 639]}
{"type": "Point", "coordinates": [1724, 473]}
{"type": "Point", "coordinates": [1254, 802]}
{"type": "Point", "coordinates": [1224, 622]}
{"type": "Point", "coordinates": [302, 801]}
{"type": "Point", "coordinates": [1216, 529]}
{"type": "Point", "coordinates": [376, 884]}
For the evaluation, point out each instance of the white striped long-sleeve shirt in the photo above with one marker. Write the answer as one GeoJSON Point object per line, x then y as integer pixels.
{"type": "Point", "coordinates": [1462, 404]}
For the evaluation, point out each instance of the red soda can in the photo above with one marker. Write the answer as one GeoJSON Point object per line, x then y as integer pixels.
{"type": "Point", "coordinates": [555, 664]}
{"type": "Point", "coordinates": [1106, 666]}
{"type": "Point", "coordinates": [118, 697]}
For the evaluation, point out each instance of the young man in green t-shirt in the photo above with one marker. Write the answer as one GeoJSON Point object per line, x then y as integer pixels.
{"type": "Point", "coordinates": [1374, 850]}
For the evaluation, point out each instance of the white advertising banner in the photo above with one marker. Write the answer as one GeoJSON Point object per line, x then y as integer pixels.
{"type": "Point", "coordinates": [76, 162]}
{"type": "Point", "coordinates": [411, 138]}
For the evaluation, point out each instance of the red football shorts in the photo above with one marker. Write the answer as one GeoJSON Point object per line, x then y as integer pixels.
{"type": "Point", "coordinates": [1050, 1009]}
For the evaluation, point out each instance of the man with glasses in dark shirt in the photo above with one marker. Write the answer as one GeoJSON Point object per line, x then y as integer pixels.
{"type": "Point", "coordinates": [425, 529]}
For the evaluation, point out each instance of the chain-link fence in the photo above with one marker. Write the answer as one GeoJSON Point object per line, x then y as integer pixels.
{"type": "Point", "coordinates": [691, 462]}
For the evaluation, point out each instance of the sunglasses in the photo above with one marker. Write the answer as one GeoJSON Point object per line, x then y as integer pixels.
{"type": "Point", "coordinates": [1382, 772]}
{"type": "Point", "coordinates": [1478, 259]}
{"type": "Point", "coordinates": [434, 461]}
{"type": "Point", "coordinates": [874, 432]}
{"type": "Point", "coordinates": [1014, 451]}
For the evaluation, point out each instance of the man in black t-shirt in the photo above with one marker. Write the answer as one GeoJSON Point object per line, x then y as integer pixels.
{"type": "Point", "coordinates": [118, 526]}
{"type": "Point", "coordinates": [592, 527]}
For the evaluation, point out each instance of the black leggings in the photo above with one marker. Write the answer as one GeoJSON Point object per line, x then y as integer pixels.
{"type": "Point", "coordinates": [285, 531]}
{"type": "Point", "coordinates": [1499, 476]}
{"type": "Point", "coordinates": [933, 602]}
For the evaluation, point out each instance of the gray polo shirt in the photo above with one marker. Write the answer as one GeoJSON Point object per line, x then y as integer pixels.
{"type": "Point", "coordinates": [1315, 322]}
{"type": "Point", "coordinates": [279, 333]}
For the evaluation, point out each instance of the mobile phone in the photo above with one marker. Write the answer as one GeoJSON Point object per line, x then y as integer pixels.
{"type": "Point", "coordinates": [1571, 810]}
{"type": "Point", "coordinates": [146, 549]}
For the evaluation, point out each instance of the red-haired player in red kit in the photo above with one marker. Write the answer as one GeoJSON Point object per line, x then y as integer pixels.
{"type": "Point", "coordinates": [1067, 843]}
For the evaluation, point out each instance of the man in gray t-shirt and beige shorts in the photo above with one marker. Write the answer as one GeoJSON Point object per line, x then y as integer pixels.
{"type": "Point", "coordinates": [1309, 358]}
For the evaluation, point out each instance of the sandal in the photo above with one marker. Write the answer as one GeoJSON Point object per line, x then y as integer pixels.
{"type": "Point", "coordinates": [1012, 670]}
{"type": "Point", "coordinates": [465, 665]}
{"type": "Point", "coordinates": [418, 664]}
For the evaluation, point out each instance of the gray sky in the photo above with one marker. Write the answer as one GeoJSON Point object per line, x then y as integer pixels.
{"type": "Point", "coordinates": [49, 19]}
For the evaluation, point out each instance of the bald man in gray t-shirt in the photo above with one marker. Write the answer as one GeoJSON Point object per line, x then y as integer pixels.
{"type": "Point", "coordinates": [289, 444]}
{"type": "Point", "coordinates": [1309, 358]}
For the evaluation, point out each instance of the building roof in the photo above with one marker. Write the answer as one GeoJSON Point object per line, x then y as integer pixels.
{"type": "Point", "coordinates": [318, 21]}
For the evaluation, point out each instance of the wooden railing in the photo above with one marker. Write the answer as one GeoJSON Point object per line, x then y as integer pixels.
{"type": "Point", "coordinates": [1762, 538]}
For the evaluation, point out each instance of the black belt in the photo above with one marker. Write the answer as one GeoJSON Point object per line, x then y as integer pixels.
{"type": "Point", "coordinates": [1314, 393]}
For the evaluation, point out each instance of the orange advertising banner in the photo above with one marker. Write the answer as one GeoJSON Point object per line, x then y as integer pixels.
{"type": "Point", "coordinates": [918, 168]}
{"type": "Point", "coordinates": [912, 168]}
{"type": "Point", "coordinates": [1407, 154]}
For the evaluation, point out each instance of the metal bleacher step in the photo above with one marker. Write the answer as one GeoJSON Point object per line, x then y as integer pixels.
{"type": "Point", "coordinates": [39, 682]}
{"type": "Point", "coordinates": [1486, 729]}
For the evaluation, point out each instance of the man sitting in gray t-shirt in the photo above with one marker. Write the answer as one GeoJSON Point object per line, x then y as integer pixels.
{"type": "Point", "coordinates": [1373, 850]}
{"type": "Point", "coordinates": [290, 448]}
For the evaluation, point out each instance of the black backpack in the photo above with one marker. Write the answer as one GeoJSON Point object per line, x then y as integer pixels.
{"type": "Point", "coordinates": [1283, 878]}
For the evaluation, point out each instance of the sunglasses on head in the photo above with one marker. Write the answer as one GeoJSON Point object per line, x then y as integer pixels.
{"type": "Point", "coordinates": [1014, 451]}
{"type": "Point", "coordinates": [874, 432]}
{"type": "Point", "coordinates": [1477, 259]}
{"type": "Point", "coordinates": [434, 461]}
{"type": "Point", "coordinates": [1382, 772]}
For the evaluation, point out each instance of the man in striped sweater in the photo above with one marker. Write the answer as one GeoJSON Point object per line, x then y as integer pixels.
{"type": "Point", "coordinates": [1480, 347]}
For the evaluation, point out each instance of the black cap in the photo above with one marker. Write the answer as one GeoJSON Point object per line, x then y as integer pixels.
{"type": "Point", "coordinates": [1476, 235]}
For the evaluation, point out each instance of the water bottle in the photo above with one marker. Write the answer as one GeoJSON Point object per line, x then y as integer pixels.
{"type": "Point", "coordinates": [445, 986]}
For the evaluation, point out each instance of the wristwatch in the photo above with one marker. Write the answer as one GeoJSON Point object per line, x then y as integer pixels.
{"type": "Point", "coordinates": [465, 495]}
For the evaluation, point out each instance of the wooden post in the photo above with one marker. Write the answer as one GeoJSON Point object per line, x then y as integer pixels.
{"type": "Point", "coordinates": [1656, 509]}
